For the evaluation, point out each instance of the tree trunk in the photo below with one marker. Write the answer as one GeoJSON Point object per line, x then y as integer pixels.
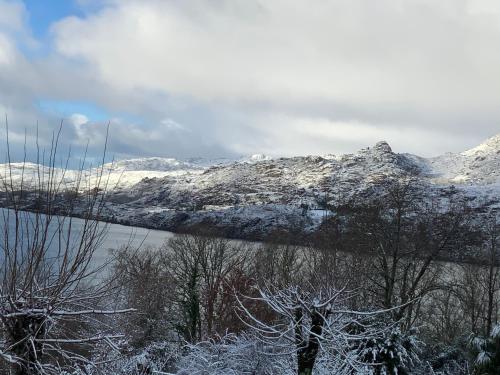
{"type": "Point", "coordinates": [306, 356]}
{"type": "Point", "coordinates": [18, 330]}
{"type": "Point", "coordinates": [491, 285]}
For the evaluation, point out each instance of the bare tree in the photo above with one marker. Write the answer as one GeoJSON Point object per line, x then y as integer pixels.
{"type": "Point", "coordinates": [141, 277]}
{"type": "Point", "coordinates": [492, 244]}
{"type": "Point", "coordinates": [200, 267]}
{"type": "Point", "coordinates": [279, 263]}
{"type": "Point", "coordinates": [308, 321]}
{"type": "Point", "coordinates": [52, 307]}
{"type": "Point", "coordinates": [405, 234]}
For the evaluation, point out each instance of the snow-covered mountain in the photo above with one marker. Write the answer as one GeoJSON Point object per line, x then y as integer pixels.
{"type": "Point", "coordinates": [258, 193]}
{"type": "Point", "coordinates": [479, 165]}
{"type": "Point", "coordinates": [151, 164]}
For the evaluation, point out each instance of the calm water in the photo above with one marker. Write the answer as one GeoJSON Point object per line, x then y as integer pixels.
{"type": "Point", "coordinates": [115, 237]}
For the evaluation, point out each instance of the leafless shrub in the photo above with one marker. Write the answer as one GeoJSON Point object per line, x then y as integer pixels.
{"type": "Point", "coordinates": [309, 322]}
{"type": "Point", "coordinates": [52, 307]}
{"type": "Point", "coordinates": [144, 282]}
{"type": "Point", "coordinates": [201, 269]}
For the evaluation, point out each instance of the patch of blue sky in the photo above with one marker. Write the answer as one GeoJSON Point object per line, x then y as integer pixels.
{"type": "Point", "coordinates": [66, 108]}
{"type": "Point", "coordinates": [42, 14]}
{"type": "Point", "coordinates": [63, 108]}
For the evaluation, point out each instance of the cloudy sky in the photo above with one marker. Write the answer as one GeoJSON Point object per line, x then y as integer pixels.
{"type": "Point", "coordinates": [213, 78]}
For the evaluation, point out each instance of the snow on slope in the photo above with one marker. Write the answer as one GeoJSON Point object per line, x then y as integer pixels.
{"type": "Point", "coordinates": [489, 148]}
{"type": "Point", "coordinates": [27, 174]}
{"type": "Point", "coordinates": [151, 164]}
{"type": "Point", "coordinates": [258, 193]}
{"type": "Point", "coordinates": [477, 166]}
{"type": "Point", "coordinates": [120, 174]}
{"type": "Point", "coordinates": [124, 173]}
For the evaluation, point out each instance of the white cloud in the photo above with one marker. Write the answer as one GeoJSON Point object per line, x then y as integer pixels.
{"type": "Point", "coordinates": [280, 134]}
{"type": "Point", "coordinates": [12, 15]}
{"type": "Point", "coordinates": [173, 125]}
{"type": "Point", "coordinates": [273, 76]}
{"type": "Point", "coordinates": [6, 50]}
{"type": "Point", "coordinates": [78, 119]}
{"type": "Point", "coordinates": [434, 56]}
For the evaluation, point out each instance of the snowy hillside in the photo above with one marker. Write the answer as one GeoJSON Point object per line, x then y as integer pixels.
{"type": "Point", "coordinates": [479, 165]}
{"type": "Point", "coordinates": [151, 164]}
{"type": "Point", "coordinates": [120, 174]}
{"type": "Point", "coordinates": [259, 193]}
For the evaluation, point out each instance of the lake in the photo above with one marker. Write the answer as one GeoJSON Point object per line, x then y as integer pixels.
{"type": "Point", "coordinates": [115, 237]}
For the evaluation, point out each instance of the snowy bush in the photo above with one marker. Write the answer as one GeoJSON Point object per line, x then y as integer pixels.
{"type": "Point", "coordinates": [232, 355]}
{"type": "Point", "coordinates": [487, 351]}
{"type": "Point", "coordinates": [393, 352]}
{"type": "Point", "coordinates": [452, 359]}
{"type": "Point", "coordinates": [156, 358]}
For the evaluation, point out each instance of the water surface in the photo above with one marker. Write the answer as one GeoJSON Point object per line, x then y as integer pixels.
{"type": "Point", "coordinates": [114, 235]}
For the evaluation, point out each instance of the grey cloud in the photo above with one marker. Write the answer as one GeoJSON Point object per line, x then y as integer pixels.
{"type": "Point", "coordinates": [274, 76]}
{"type": "Point", "coordinates": [389, 63]}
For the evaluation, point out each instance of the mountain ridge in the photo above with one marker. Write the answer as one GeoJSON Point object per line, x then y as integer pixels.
{"type": "Point", "coordinates": [450, 167]}
{"type": "Point", "coordinates": [252, 196]}
{"type": "Point", "coordinates": [258, 196]}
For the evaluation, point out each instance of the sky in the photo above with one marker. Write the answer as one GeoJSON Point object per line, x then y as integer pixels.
{"type": "Point", "coordinates": [222, 78]}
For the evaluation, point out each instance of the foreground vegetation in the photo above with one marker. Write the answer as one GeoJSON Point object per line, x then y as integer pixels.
{"type": "Point", "coordinates": [369, 294]}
